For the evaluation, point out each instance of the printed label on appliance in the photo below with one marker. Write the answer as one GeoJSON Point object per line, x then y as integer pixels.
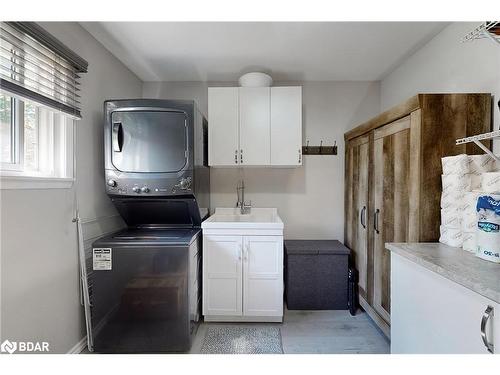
{"type": "Point", "coordinates": [101, 259]}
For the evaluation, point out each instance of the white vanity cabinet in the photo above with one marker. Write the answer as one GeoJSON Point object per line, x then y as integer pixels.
{"type": "Point", "coordinates": [255, 126]}
{"type": "Point", "coordinates": [222, 275]}
{"type": "Point", "coordinates": [242, 268]}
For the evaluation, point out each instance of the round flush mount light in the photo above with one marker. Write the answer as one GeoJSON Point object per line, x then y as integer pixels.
{"type": "Point", "coordinates": [255, 79]}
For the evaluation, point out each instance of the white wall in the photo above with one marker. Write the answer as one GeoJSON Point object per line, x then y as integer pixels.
{"type": "Point", "coordinates": [39, 259]}
{"type": "Point", "coordinates": [447, 65]}
{"type": "Point", "coordinates": [310, 199]}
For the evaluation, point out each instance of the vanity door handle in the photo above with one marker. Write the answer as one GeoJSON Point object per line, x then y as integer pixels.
{"type": "Point", "coordinates": [484, 322]}
{"type": "Point", "coordinates": [375, 221]}
{"type": "Point", "coordinates": [245, 256]}
{"type": "Point", "coordinates": [363, 217]}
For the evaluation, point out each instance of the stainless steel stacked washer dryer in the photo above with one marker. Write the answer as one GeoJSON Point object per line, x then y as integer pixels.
{"type": "Point", "coordinates": [144, 281]}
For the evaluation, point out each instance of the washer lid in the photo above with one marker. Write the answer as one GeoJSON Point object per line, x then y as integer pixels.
{"type": "Point", "coordinates": [164, 236]}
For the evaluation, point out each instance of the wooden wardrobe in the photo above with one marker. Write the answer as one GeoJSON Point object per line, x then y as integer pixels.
{"type": "Point", "coordinates": [393, 182]}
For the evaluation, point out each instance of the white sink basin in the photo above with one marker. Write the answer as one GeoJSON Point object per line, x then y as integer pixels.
{"type": "Point", "coordinates": [231, 218]}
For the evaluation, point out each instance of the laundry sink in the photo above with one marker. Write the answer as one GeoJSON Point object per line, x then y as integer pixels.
{"type": "Point", "coordinates": [232, 218]}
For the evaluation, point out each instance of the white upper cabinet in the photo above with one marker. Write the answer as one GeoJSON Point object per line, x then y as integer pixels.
{"type": "Point", "coordinates": [223, 135]}
{"type": "Point", "coordinates": [255, 142]}
{"type": "Point", "coordinates": [286, 126]}
{"type": "Point", "coordinates": [255, 126]}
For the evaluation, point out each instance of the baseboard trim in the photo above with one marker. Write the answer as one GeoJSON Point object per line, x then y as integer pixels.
{"type": "Point", "coordinates": [377, 319]}
{"type": "Point", "coordinates": [79, 346]}
{"type": "Point", "coordinates": [242, 319]}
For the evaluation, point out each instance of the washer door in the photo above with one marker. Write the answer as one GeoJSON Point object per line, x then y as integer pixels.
{"type": "Point", "coordinates": [149, 141]}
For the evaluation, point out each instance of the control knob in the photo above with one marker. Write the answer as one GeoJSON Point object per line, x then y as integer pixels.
{"type": "Point", "coordinates": [111, 182]}
{"type": "Point", "coordinates": [145, 189]}
{"type": "Point", "coordinates": [185, 183]}
{"type": "Point", "coordinates": [136, 189]}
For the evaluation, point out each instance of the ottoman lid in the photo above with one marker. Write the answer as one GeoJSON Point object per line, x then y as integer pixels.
{"type": "Point", "coordinates": [312, 247]}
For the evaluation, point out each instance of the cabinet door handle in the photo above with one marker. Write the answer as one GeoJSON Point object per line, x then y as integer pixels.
{"type": "Point", "coordinates": [300, 156]}
{"type": "Point", "coordinates": [247, 248]}
{"type": "Point", "coordinates": [363, 217]}
{"type": "Point", "coordinates": [235, 156]}
{"type": "Point", "coordinates": [375, 221]}
{"type": "Point", "coordinates": [484, 321]}
{"type": "Point", "coordinates": [239, 252]}
{"type": "Point", "coordinates": [241, 156]}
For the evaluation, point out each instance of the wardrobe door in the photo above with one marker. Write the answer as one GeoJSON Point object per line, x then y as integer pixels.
{"type": "Point", "coordinates": [391, 163]}
{"type": "Point", "coordinates": [357, 173]}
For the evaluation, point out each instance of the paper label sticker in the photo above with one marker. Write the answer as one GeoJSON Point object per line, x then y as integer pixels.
{"type": "Point", "coordinates": [101, 259]}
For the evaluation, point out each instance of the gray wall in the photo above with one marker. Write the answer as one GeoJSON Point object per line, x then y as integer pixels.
{"type": "Point", "coordinates": [39, 259]}
{"type": "Point", "coordinates": [310, 199]}
{"type": "Point", "coordinates": [447, 65]}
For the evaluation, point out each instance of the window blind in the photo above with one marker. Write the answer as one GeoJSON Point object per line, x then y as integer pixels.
{"type": "Point", "coordinates": [36, 66]}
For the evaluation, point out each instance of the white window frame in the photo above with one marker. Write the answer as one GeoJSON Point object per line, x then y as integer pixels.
{"type": "Point", "coordinates": [55, 153]}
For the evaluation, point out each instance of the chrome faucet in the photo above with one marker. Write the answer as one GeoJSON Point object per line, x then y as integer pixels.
{"type": "Point", "coordinates": [245, 208]}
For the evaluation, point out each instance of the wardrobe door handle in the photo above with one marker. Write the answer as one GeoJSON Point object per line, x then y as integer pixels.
{"type": "Point", "coordinates": [363, 217]}
{"type": "Point", "coordinates": [375, 221]}
{"type": "Point", "coordinates": [484, 321]}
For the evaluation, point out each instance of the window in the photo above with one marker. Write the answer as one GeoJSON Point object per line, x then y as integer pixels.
{"type": "Point", "coordinates": [36, 143]}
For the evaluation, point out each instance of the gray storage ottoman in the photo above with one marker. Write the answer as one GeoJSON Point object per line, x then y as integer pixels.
{"type": "Point", "coordinates": [316, 275]}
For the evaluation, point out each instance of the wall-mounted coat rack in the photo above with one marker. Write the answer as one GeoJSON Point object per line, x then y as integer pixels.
{"type": "Point", "coordinates": [319, 150]}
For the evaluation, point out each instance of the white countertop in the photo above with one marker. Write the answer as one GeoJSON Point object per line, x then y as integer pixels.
{"type": "Point", "coordinates": [455, 264]}
{"type": "Point", "coordinates": [231, 218]}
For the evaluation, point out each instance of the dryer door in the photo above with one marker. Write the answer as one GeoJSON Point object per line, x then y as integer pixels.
{"type": "Point", "coordinates": [146, 141]}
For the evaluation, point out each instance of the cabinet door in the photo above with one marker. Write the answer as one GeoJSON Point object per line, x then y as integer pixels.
{"type": "Point", "coordinates": [433, 315]}
{"type": "Point", "coordinates": [286, 126]}
{"type": "Point", "coordinates": [223, 138]}
{"type": "Point", "coordinates": [391, 162]}
{"type": "Point", "coordinates": [222, 275]}
{"type": "Point", "coordinates": [357, 214]}
{"type": "Point", "coordinates": [263, 276]}
{"type": "Point", "coordinates": [255, 131]}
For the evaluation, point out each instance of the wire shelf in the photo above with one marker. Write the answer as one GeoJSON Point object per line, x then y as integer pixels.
{"type": "Point", "coordinates": [481, 137]}
{"type": "Point", "coordinates": [489, 30]}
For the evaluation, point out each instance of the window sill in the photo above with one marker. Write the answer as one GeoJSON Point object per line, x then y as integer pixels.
{"type": "Point", "coordinates": [30, 182]}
